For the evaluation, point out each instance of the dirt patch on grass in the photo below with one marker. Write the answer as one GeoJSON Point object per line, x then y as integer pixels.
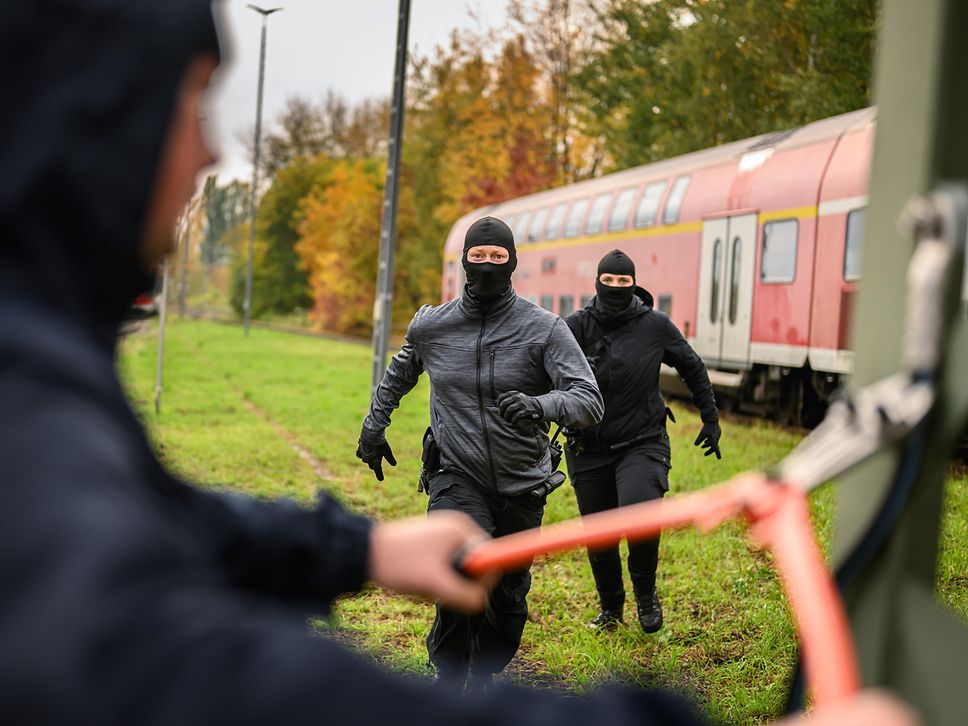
{"type": "Point", "coordinates": [318, 467]}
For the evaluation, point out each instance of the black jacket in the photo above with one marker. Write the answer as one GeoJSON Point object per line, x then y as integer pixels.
{"type": "Point", "coordinates": [128, 596]}
{"type": "Point", "coordinates": [630, 348]}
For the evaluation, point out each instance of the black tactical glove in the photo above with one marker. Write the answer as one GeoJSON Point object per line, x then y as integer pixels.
{"type": "Point", "coordinates": [520, 410]}
{"type": "Point", "coordinates": [708, 439]}
{"type": "Point", "coordinates": [373, 452]}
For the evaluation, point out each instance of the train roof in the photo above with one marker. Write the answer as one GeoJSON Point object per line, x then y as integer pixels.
{"type": "Point", "coordinates": [733, 152]}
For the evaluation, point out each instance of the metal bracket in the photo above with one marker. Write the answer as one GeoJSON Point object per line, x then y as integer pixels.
{"type": "Point", "coordinates": [860, 425]}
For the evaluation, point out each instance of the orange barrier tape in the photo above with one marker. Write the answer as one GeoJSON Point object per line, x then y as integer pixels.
{"type": "Point", "coordinates": [780, 521]}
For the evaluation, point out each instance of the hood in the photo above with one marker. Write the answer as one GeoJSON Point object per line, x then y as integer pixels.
{"type": "Point", "coordinates": [91, 87]}
{"type": "Point", "coordinates": [645, 296]}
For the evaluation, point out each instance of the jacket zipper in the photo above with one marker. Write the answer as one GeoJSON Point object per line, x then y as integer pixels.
{"type": "Point", "coordinates": [480, 405]}
{"type": "Point", "coordinates": [493, 393]}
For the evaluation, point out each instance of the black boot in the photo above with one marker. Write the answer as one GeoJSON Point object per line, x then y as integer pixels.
{"type": "Point", "coordinates": [610, 607]}
{"type": "Point", "coordinates": [606, 620]}
{"type": "Point", "coordinates": [650, 611]}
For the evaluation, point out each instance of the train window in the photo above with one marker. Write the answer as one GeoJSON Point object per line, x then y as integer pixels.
{"type": "Point", "coordinates": [717, 264]}
{"type": "Point", "coordinates": [547, 302]}
{"type": "Point", "coordinates": [537, 224]}
{"type": "Point", "coordinates": [575, 215]}
{"type": "Point", "coordinates": [856, 222]}
{"type": "Point", "coordinates": [649, 204]}
{"type": "Point", "coordinates": [548, 264]}
{"type": "Point", "coordinates": [778, 261]}
{"type": "Point", "coordinates": [566, 305]}
{"type": "Point", "coordinates": [521, 227]}
{"type": "Point", "coordinates": [509, 220]}
{"type": "Point", "coordinates": [674, 202]}
{"type": "Point", "coordinates": [619, 218]}
{"type": "Point", "coordinates": [596, 217]}
{"type": "Point", "coordinates": [665, 304]}
{"type": "Point", "coordinates": [532, 299]}
{"type": "Point", "coordinates": [585, 299]}
{"type": "Point", "coordinates": [553, 230]}
{"type": "Point", "coordinates": [734, 281]}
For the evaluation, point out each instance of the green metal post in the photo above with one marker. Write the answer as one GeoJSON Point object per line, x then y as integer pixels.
{"type": "Point", "coordinates": [906, 641]}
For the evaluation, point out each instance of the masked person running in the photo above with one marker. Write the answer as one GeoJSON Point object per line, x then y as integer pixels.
{"type": "Point", "coordinates": [625, 459]}
{"type": "Point", "coordinates": [500, 369]}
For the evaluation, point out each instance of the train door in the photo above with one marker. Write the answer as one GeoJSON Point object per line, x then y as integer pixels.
{"type": "Point", "coordinates": [738, 270]}
{"type": "Point", "coordinates": [709, 324]}
{"type": "Point", "coordinates": [726, 269]}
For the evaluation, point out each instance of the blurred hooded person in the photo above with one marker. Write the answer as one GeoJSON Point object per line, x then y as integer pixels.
{"type": "Point", "coordinates": [500, 369]}
{"type": "Point", "coordinates": [626, 458]}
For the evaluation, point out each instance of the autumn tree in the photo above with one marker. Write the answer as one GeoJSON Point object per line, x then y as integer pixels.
{"type": "Point", "coordinates": [560, 35]}
{"type": "Point", "coordinates": [339, 242]}
{"type": "Point", "coordinates": [279, 282]}
{"type": "Point", "coordinates": [481, 124]}
{"type": "Point", "coordinates": [334, 127]}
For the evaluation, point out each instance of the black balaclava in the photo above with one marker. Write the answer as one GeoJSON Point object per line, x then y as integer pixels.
{"type": "Point", "coordinates": [93, 86]}
{"type": "Point", "coordinates": [615, 300]}
{"type": "Point", "coordinates": [487, 281]}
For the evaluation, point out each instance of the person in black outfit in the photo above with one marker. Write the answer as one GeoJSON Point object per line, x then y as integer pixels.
{"type": "Point", "coordinates": [500, 369]}
{"type": "Point", "coordinates": [626, 458]}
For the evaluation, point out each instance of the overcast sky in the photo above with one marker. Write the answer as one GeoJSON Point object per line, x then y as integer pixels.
{"type": "Point", "coordinates": [314, 45]}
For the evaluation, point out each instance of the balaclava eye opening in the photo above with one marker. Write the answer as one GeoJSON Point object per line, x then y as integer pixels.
{"type": "Point", "coordinates": [487, 281]}
{"type": "Point", "coordinates": [615, 300]}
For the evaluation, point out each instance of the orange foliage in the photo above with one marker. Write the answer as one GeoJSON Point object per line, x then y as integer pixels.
{"type": "Point", "coordinates": [339, 243]}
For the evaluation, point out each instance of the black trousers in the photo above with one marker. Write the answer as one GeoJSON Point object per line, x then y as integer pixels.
{"type": "Point", "coordinates": [607, 481]}
{"type": "Point", "coordinates": [485, 642]}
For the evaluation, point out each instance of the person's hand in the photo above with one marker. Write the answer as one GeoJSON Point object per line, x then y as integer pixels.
{"type": "Point", "coordinates": [416, 557]}
{"type": "Point", "coordinates": [593, 362]}
{"type": "Point", "coordinates": [520, 410]}
{"type": "Point", "coordinates": [708, 439]}
{"type": "Point", "coordinates": [373, 453]}
{"type": "Point", "coordinates": [870, 708]}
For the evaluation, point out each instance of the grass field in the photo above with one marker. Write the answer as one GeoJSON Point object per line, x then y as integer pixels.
{"type": "Point", "coordinates": [235, 411]}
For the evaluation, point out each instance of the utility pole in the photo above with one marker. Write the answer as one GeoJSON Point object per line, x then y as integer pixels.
{"type": "Point", "coordinates": [247, 302]}
{"type": "Point", "coordinates": [185, 240]}
{"type": "Point", "coordinates": [383, 304]}
{"type": "Point", "coordinates": [905, 640]}
{"type": "Point", "coordinates": [162, 316]}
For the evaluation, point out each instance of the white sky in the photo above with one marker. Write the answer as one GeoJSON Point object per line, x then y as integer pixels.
{"type": "Point", "coordinates": [314, 45]}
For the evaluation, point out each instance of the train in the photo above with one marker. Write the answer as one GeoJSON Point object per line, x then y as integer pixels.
{"type": "Point", "coordinates": [753, 249]}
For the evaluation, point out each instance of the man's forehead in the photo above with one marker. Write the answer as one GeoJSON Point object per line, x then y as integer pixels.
{"type": "Point", "coordinates": [487, 248]}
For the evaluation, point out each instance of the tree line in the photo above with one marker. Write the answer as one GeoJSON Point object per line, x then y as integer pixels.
{"type": "Point", "coordinates": [566, 90]}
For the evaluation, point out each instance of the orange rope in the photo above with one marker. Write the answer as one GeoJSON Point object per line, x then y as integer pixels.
{"type": "Point", "coordinates": [780, 521]}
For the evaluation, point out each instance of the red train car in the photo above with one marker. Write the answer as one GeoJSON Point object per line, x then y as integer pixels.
{"type": "Point", "coordinates": [752, 248]}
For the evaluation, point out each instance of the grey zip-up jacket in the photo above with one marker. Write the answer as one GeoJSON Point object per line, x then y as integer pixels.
{"type": "Point", "coordinates": [473, 354]}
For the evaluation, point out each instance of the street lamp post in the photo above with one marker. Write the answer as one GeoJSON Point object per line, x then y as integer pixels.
{"type": "Point", "coordinates": [383, 304]}
{"type": "Point", "coordinates": [247, 302]}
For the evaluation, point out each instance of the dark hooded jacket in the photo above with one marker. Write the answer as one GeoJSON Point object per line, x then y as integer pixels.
{"type": "Point", "coordinates": [630, 347]}
{"type": "Point", "coordinates": [128, 596]}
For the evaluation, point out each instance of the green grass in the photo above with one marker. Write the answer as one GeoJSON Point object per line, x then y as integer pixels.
{"type": "Point", "coordinates": [728, 638]}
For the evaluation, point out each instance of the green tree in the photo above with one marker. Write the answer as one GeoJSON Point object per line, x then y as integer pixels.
{"type": "Point", "coordinates": [225, 207]}
{"type": "Point", "coordinates": [674, 76]}
{"type": "Point", "coordinates": [279, 283]}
